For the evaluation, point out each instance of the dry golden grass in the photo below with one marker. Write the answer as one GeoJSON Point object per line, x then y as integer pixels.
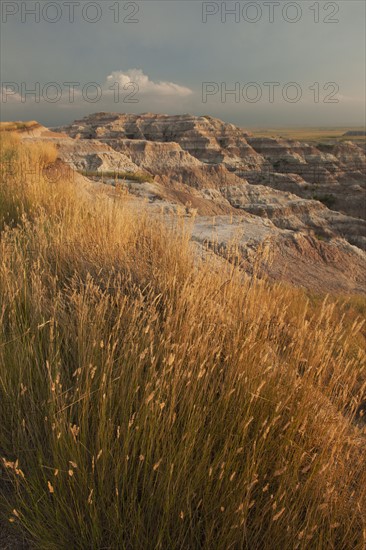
{"type": "Point", "coordinates": [149, 401]}
{"type": "Point", "coordinates": [15, 126]}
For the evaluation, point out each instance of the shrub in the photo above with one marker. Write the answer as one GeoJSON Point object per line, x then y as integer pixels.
{"type": "Point", "coordinates": [139, 177]}
{"type": "Point", "coordinates": [327, 200]}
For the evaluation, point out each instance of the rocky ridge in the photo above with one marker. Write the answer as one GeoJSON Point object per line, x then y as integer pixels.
{"type": "Point", "coordinates": [263, 188]}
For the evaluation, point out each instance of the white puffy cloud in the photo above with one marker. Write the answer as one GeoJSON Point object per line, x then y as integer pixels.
{"type": "Point", "coordinates": [10, 94]}
{"type": "Point", "coordinates": [147, 86]}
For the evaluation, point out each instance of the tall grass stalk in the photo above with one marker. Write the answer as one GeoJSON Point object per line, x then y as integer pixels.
{"type": "Point", "coordinates": [150, 400]}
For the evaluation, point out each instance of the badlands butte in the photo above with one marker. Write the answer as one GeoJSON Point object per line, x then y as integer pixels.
{"type": "Point", "coordinates": [293, 210]}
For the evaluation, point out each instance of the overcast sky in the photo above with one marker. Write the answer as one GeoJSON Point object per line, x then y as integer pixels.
{"type": "Point", "coordinates": [160, 55]}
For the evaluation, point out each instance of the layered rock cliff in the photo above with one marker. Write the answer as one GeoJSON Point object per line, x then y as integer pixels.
{"type": "Point", "coordinates": [307, 201]}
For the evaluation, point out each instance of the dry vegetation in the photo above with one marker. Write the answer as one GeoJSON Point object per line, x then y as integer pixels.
{"type": "Point", "coordinates": [118, 175]}
{"type": "Point", "coordinates": [149, 402]}
{"type": "Point", "coordinates": [318, 135]}
{"type": "Point", "coordinates": [18, 126]}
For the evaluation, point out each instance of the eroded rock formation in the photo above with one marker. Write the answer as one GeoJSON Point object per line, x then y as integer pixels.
{"type": "Point", "coordinates": [305, 201]}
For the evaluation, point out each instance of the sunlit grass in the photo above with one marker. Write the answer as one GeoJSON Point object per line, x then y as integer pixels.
{"type": "Point", "coordinates": [15, 126]}
{"type": "Point", "coordinates": [148, 400]}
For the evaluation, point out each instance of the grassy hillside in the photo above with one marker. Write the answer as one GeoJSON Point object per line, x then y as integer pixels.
{"type": "Point", "coordinates": [18, 126]}
{"type": "Point", "coordinates": [150, 401]}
